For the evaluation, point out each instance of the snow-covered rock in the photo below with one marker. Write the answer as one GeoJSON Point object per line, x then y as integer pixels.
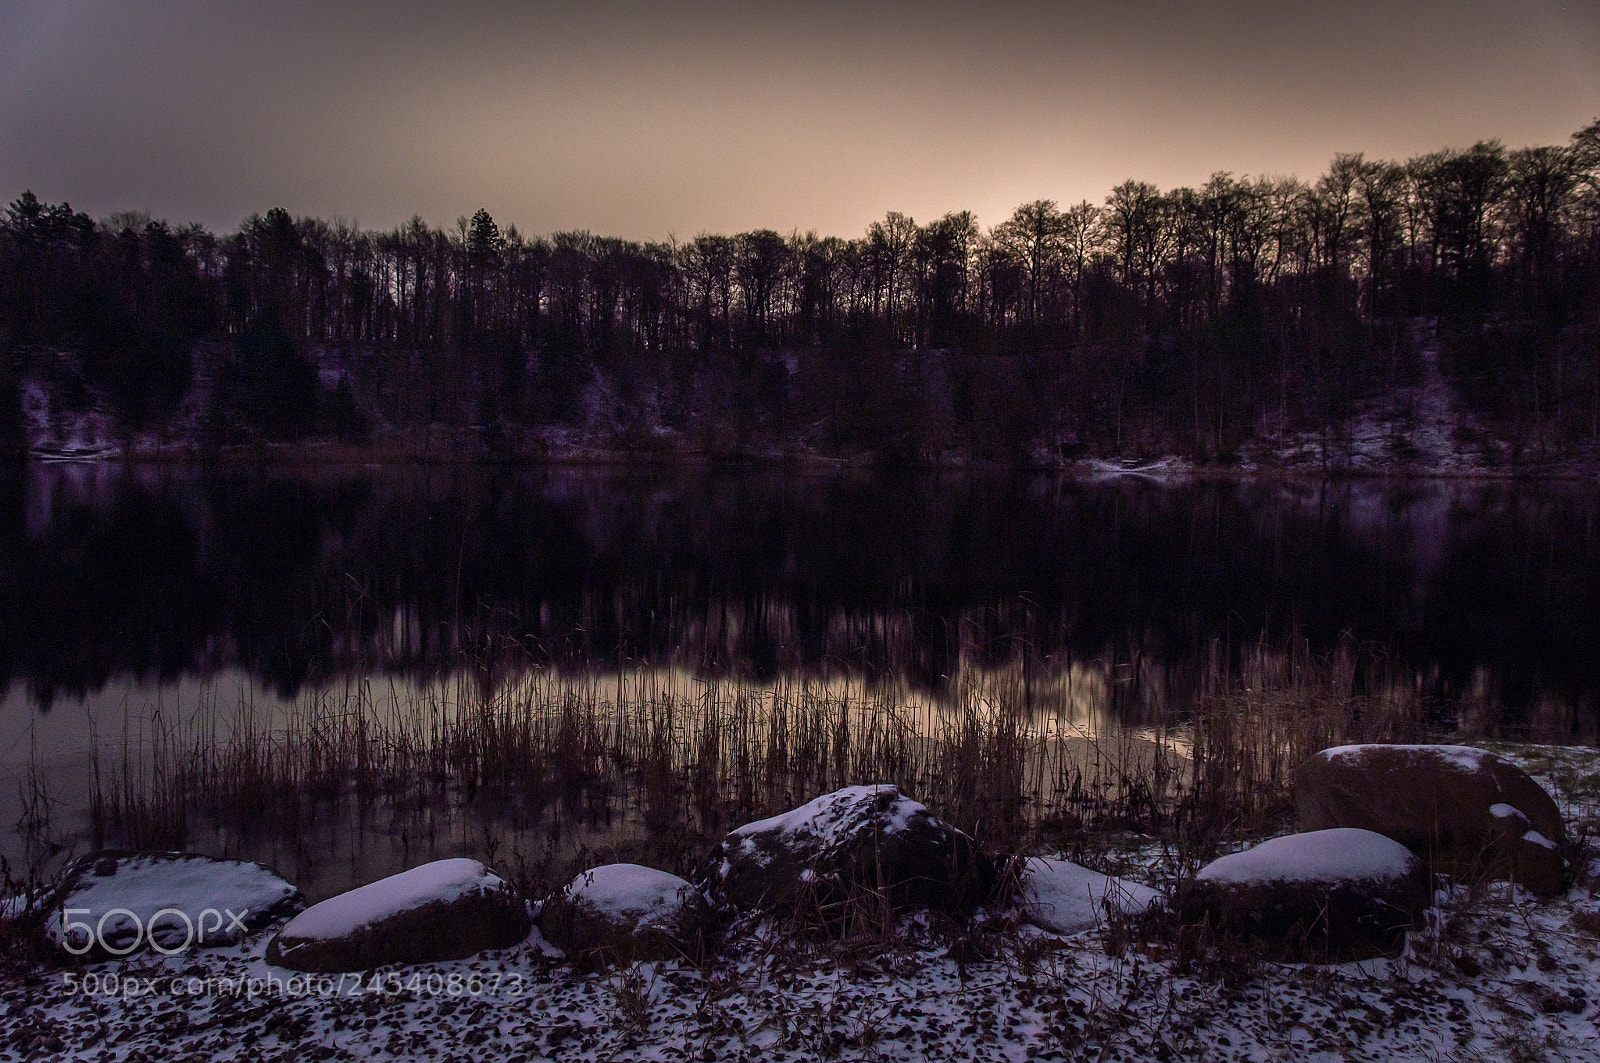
{"type": "Point", "coordinates": [1337, 855]}
{"type": "Point", "coordinates": [861, 836]}
{"type": "Point", "coordinates": [1066, 898]}
{"type": "Point", "coordinates": [1464, 810]}
{"type": "Point", "coordinates": [626, 912]}
{"type": "Point", "coordinates": [444, 910]}
{"type": "Point", "coordinates": [116, 902]}
{"type": "Point", "coordinates": [1327, 894]}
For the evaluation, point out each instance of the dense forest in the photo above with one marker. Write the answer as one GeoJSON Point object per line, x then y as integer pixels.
{"type": "Point", "coordinates": [1189, 321]}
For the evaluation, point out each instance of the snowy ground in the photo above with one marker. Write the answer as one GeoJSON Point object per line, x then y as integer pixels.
{"type": "Point", "coordinates": [1495, 977]}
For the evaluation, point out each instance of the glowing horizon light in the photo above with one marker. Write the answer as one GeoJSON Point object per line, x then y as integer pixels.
{"type": "Point", "coordinates": [636, 121]}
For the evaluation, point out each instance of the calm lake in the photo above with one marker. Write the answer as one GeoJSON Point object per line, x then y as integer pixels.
{"type": "Point", "coordinates": [135, 600]}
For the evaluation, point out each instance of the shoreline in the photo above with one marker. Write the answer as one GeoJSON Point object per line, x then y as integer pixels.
{"type": "Point", "coordinates": [321, 454]}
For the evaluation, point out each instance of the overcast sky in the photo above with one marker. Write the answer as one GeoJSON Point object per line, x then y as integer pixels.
{"type": "Point", "coordinates": [643, 119]}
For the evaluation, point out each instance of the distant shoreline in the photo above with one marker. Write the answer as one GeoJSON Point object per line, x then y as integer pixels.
{"type": "Point", "coordinates": [1576, 467]}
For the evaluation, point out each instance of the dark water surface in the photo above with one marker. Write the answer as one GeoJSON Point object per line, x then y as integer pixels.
{"type": "Point", "coordinates": [114, 576]}
{"type": "Point", "coordinates": [123, 586]}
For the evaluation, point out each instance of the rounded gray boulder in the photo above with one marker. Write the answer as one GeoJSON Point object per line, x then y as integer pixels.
{"type": "Point", "coordinates": [1465, 811]}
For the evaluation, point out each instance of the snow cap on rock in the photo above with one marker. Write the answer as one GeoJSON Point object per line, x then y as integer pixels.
{"type": "Point", "coordinates": [1066, 898]}
{"type": "Point", "coordinates": [1337, 854]}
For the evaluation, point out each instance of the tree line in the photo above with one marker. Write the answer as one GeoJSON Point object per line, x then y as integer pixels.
{"type": "Point", "coordinates": [1188, 319]}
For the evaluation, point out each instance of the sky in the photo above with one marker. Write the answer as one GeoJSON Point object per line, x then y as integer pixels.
{"type": "Point", "coordinates": [649, 119]}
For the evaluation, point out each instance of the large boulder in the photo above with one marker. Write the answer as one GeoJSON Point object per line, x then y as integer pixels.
{"type": "Point", "coordinates": [626, 912]}
{"type": "Point", "coordinates": [115, 902]}
{"type": "Point", "coordinates": [1465, 811]}
{"type": "Point", "coordinates": [1323, 895]}
{"type": "Point", "coordinates": [446, 910]}
{"type": "Point", "coordinates": [860, 837]}
{"type": "Point", "coordinates": [1066, 898]}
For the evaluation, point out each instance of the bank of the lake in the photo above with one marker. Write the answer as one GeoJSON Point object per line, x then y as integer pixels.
{"type": "Point", "coordinates": [1493, 974]}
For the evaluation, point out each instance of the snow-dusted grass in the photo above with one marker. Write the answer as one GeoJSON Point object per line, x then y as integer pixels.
{"type": "Point", "coordinates": [1009, 995]}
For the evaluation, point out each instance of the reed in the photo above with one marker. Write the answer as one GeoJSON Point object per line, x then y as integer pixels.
{"type": "Point", "coordinates": [1008, 753]}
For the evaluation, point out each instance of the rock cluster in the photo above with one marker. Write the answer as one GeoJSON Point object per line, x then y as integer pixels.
{"type": "Point", "coordinates": [1465, 811]}
{"type": "Point", "coordinates": [1379, 822]}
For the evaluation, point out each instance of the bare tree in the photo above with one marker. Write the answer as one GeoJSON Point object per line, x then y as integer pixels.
{"type": "Point", "coordinates": [1035, 235]}
{"type": "Point", "coordinates": [1381, 193]}
{"type": "Point", "coordinates": [889, 243]}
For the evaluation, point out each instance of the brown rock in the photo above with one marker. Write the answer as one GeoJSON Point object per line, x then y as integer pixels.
{"type": "Point", "coordinates": [446, 910]}
{"type": "Point", "coordinates": [1327, 895]}
{"type": "Point", "coordinates": [1465, 811]}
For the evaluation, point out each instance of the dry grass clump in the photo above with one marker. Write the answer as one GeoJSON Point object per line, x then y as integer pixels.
{"type": "Point", "coordinates": [24, 909]}
{"type": "Point", "coordinates": [1252, 728]}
